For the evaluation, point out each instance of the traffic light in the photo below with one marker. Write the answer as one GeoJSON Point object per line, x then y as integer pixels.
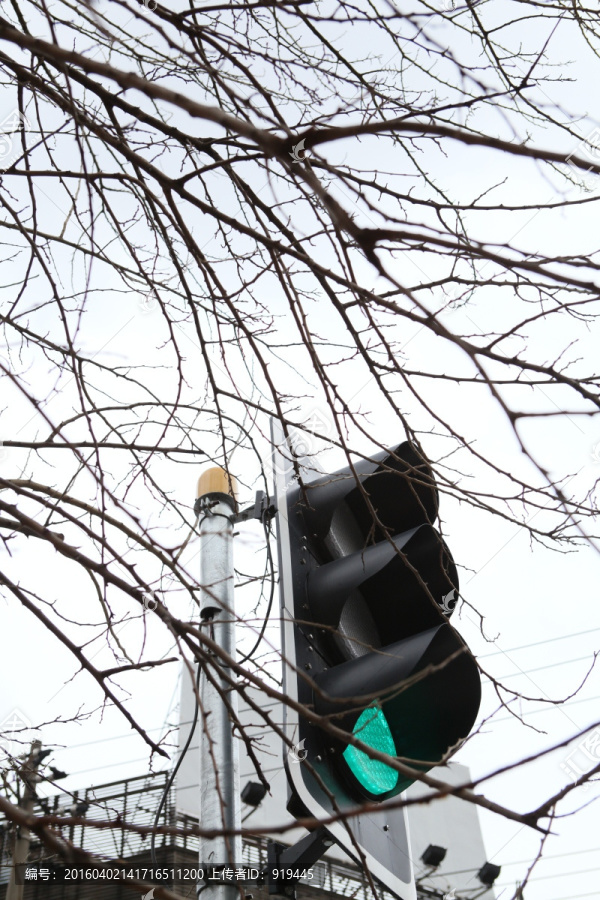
{"type": "Point", "coordinates": [367, 588]}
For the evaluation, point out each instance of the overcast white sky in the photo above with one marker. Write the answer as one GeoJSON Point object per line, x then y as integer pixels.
{"type": "Point", "coordinates": [541, 608]}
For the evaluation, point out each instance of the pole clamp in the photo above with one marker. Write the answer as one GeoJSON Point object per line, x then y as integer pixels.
{"type": "Point", "coordinates": [261, 509]}
{"type": "Point", "coordinates": [282, 860]}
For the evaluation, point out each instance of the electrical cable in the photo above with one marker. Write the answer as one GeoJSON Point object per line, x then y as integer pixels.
{"type": "Point", "coordinates": [518, 862]}
{"type": "Point", "coordinates": [174, 772]}
{"type": "Point", "coordinates": [271, 566]}
{"type": "Point", "coordinates": [560, 637]}
{"type": "Point", "coordinates": [267, 529]}
{"type": "Point", "coordinates": [128, 734]}
{"type": "Point", "coordinates": [115, 737]}
{"type": "Point", "coordinates": [548, 708]}
{"type": "Point", "coordinates": [535, 878]}
{"type": "Point", "coordinates": [553, 665]}
{"type": "Point", "coordinates": [577, 896]}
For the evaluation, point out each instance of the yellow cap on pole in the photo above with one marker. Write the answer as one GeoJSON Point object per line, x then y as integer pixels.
{"type": "Point", "coordinates": [216, 481]}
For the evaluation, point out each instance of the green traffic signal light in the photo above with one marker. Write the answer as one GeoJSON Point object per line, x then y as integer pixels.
{"type": "Point", "coordinates": [372, 729]}
{"type": "Point", "coordinates": [428, 692]}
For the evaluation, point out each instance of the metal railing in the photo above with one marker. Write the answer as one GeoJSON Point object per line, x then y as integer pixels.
{"type": "Point", "coordinates": [134, 802]}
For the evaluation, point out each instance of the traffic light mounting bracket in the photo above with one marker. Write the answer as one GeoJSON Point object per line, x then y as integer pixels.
{"type": "Point", "coordinates": [261, 509]}
{"type": "Point", "coordinates": [302, 855]}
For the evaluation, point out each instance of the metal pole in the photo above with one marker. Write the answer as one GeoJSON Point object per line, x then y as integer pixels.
{"type": "Point", "coordinates": [219, 768]}
{"type": "Point", "coordinates": [27, 772]}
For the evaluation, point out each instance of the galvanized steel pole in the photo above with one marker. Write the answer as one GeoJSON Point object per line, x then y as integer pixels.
{"type": "Point", "coordinates": [219, 767]}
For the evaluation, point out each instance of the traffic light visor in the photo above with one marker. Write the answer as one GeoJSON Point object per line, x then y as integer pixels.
{"type": "Point", "coordinates": [422, 696]}
{"type": "Point", "coordinates": [400, 487]}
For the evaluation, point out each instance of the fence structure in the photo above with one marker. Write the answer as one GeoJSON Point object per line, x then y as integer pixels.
{"type": "Point", "coordinates": [135, 802]}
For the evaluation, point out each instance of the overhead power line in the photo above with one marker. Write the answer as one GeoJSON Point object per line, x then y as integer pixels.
{"type": "Point", "coordinates": [519, 862]}
{"type": "Point", "coordinates": [554, 665]}
{"type": "Point", "coordinates": [535, 878]}
{"type": "Point", "coordinates": [560, 637]}
{"type": "Point", "coordinates": [577, 896]}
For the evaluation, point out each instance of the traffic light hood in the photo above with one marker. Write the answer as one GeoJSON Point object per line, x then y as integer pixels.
{"type": "Point", "coordinates": [427, 687]}
{"type": "Point", "coordinates": [332, 499]}
{"type": "Point", "coordinates": [404, 585]}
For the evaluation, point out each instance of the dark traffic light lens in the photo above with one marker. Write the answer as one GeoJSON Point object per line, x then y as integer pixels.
{"type": "Point", "coordinates": [372, 729]}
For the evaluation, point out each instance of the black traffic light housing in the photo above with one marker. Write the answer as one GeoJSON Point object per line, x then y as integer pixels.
{"type": "Point", "coordinates": [367, 587]}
